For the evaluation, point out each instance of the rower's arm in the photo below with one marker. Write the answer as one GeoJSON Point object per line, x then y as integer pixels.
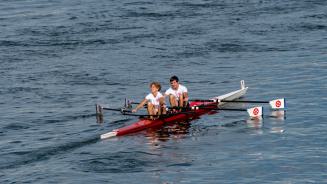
{"type": "Point", "coordinates": [185, 95]}
{"type": "Point", "coordinates": [181, 101]}
{"type": "Point", "coordinates": [162, 101]}
{"type": "Point", "coordinates": [165, 95]}
{"type": "Point", "coordinates": [139, 106]}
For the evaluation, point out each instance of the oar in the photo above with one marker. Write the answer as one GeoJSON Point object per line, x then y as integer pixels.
{"type": "Point", "coordinates": [253, 112]}
{"type": "Point", "coordinates": [99, 109]}
{"type": "Point", "coordinates": [129, 104]}
{"type": "Point", "coordinates": [120, 110]}
{"type": "Point", "coordinates": [274, 104]}
{"type": "Point", "coordinates": [99, 112]}
{"type": "Point", "coordinates": [160, 116]}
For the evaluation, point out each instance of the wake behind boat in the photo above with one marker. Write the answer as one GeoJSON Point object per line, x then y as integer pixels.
{"type": "Point", "coordinates": [196, 108]}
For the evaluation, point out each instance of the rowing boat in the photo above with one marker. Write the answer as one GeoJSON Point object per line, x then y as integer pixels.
{"type": "Point", "coordinates": [209, 105]}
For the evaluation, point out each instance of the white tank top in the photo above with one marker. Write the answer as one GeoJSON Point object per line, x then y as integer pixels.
{"type": "Point", "coordinates": [176, 93]}
{"type": "Point", "coordinates": [154, 99]}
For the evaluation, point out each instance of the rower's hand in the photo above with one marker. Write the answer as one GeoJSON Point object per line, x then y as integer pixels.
{"type": "Point", "coordinates": [134, 111]}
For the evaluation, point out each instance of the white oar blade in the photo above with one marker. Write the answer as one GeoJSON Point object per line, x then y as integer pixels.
{"type": "Point", "coordinates": [277, 104]}
{"type": "Point", "coordinates": [98, 109]}
{"type": "Point", "coordinates": [255, 112]}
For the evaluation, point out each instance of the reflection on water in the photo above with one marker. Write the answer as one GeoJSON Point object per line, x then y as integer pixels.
{"type": "Point", "coordinates": [255, 124]}
{"type": "Point", "coordinates": [173, 131]}
{"type": "Point", "coordinates": [99, 118]}
{"type": "Point", "coordinates": [278, 114]}
{"type": "Point", "coordinates": [180, 130]}
{"type": "Point", "coordinates": [277, 130]}
{"type": "Point", "coordinates": [277, 124]}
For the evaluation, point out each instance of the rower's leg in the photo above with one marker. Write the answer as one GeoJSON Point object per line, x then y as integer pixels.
{"type": "Point", "coordinates": [162, 109]}
{"type": "Point", "coordinates": [186, 104]}
{"type": "Point", "coordinates": [151, 110]}
{"type": "Point", "coordinates": [172, 101]}
{"type": "Point", "coordinates": [181, 101]}
{"type": "Point", "coordinates": [185, 100]}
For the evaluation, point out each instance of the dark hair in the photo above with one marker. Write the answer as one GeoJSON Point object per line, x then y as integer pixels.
{"type": "Point", "coordinates": [174, 78]}
{"type": "Point", "coordinates": [156, 84]}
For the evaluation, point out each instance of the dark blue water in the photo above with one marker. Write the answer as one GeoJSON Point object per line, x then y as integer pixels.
{"type": "Point", "coordinates": [58, 58]}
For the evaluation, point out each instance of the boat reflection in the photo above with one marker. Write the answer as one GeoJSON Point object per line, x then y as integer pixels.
{"type": "Point", "coordinates": [174, 131]}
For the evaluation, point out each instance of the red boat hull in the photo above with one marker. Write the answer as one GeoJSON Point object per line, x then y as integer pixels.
{"type": "Point", "coordinates": [147, 123]}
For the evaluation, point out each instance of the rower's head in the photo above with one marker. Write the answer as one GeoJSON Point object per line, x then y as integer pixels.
{"type": "Point", "coordinates": [174, 82]}
{"type": "Point", "coordinates": [155, 87]}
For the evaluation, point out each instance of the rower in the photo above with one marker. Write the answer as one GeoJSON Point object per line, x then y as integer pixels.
{"type": "Point", "coordinates": [177, 93]}
{"type": "Point", "coordinates": [155, 101]}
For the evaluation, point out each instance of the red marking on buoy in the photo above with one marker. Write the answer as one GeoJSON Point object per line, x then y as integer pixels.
{"type": "Point", "coordinates": [255, 111]}
{"type": "Point", "coordinates": [278, 103]}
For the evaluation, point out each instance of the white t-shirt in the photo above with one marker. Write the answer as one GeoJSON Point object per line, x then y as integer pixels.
{"type": "Point", "coordinates": [154, 99]}
{"type": "Point", "coordinates": [176, 93]}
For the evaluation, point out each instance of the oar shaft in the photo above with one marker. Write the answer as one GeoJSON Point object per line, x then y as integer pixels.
{"type": "Point", "coordinates": [245, 101]}
{"type": "Point", "coordinates": [232, 101]}
{"type": "Point", "coordinates": [202, 100]}
{"type": "Point", "coordinates": [227, 109]}
{"type": "Point", "coordinates": [160, 116]}
{"type": "Point", "coordinates": [141, 115]}
{"type": "Point", "coordinates": [208, 108]}
{"type": "Point", "coordinates": [222, 109]}
{"type": "Point", "coordinates": [120, 110]}
{"type": "Point", "coordinates": [126, 112]}
{"type": "Point", "coordinates": [136, 103]}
